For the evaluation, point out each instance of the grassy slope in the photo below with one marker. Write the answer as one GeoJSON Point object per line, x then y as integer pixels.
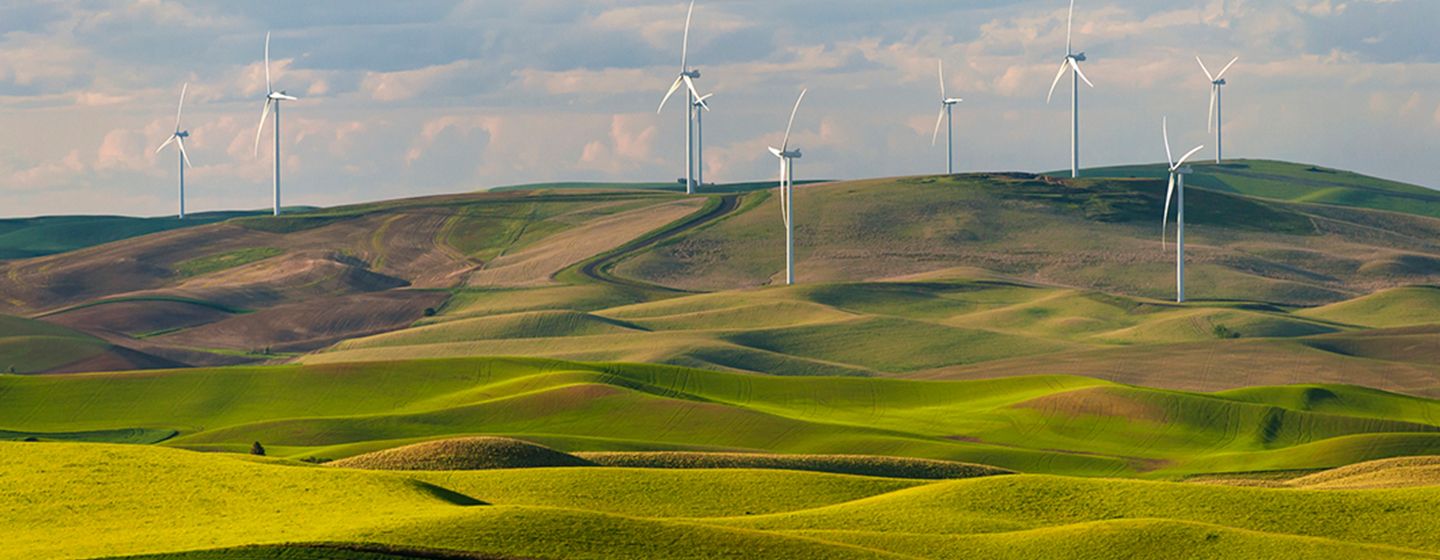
{"type": "Point", "coordinates": [941, 324]}
{"type": "Point", "coordinates": [1092, 233]}
{"type": "Point", "coordinates": [186, 501]}
{"type": "Point", "coordinates": [34, 237]}
{"type": "Point", "coordinates": [1037, 424]}
{"type": "Point", "coordinates": [1296, 182]}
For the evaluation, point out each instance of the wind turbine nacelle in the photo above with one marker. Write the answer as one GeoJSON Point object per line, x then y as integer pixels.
{"type": "Point", "coordinates": [182, 134]}
{"type": "Point", "coordinates": [1219, 82]}
{"type": "Point", "coordinates": [792, 154]}
{"type": "Point", "coordinates": [693, 74]}
{"type": "Point", "coordinates": [1080, 57]}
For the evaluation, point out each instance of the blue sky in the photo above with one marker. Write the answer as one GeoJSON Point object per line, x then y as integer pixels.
{"type": "Point", "coordinates": [430, 96]}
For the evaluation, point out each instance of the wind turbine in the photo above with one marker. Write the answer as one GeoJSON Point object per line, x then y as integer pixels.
{"type": "Point", "coordinates": [178, 138]}
{"type": "Point", "coordinates": [947, 118]}
{"type": "Point", "coordinates": [1217, 82]}
{"type": "Point", "coordinates": [272, 103]}
{"type": "Point", "coordinates": [1072, 63]}
{"type": "Point", "coordinates": [700, 108]}
{"type": "Point", "coordinates": [787, 194]}
{"type": "Point", "coordinates": [1178, 171]}
{"type": "Point", "coordinates": [687, 78]}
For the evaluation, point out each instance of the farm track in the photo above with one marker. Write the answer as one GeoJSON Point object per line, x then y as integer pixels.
{"type": "Point", "coordinates": [601, 268]}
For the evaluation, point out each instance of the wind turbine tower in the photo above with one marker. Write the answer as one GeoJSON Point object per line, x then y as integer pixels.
{"type": "Point", "coordinates": [787, 191]}
{"type": "Point", "coordinates": [700, 108]}
{"type": "Point", "coordinates": [1216, 120]}
{"type": "Point", "coordinates": [1071, 63]}
{"type": "Point", "coordinates": [178, 138]}
{"type": "Point", "coordinates": [1178, 171]}
{"type": "Point", "coordinates": [947, 118]}
{"type": "Point", "coordinates": [686, 79]}
{"type": "Point", "coordinates": [272, 103]}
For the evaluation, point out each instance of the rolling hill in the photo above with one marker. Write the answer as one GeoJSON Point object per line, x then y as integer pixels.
{"type": "Point", "coordinates": [566, 270]}
{"type": "Point", "coordinates": [1044, 424]}
{"type": "Point", "coordinates": [256, 508]}
{"type": "Point", "coordinates": [36, 237]}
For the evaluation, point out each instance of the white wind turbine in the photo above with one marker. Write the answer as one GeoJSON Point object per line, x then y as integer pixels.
{"type": "Point", "coordinates": [1216, 120]}
{"type": "Point", "coordinates": [947, 118]}
{"type": "Point", "coordinates": [687, 79]}
{"type": "Point", "coordinates": [178, 138]}
{"type": "Point", "coordinates": [272, 103]}
{"type": "Point", "coordinates": [700, 108]}
{"type": "Point", "coordinates": [1178, 171]}
{"type": "Point", "coordinates": [1072, 64]}
{"type": "Point", "coordinates": [787, 192]}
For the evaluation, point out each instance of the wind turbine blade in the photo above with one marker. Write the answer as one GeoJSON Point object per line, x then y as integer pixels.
{"type": "Point", "coordinates": [1165, 221]}
{"type": "Point", "coordinates": [702, 101]}
{"type": "Point", "coordinates": [1181, 163]}
{"type": "Point", "coordinates": [673, 88]}
{"type": "Point", "coordinates": [784, 202]}
{"type": "Point", "coordinates": [268, 88]}
{"type": "Point", "coordinates": [1210, 122]}
{"type": "Point", "coordinates": [1165, 130]}
{"type": "Point", "coordinates": [1063, 67]}
{"type": "Point", "coordinates": [935, 139]}
{"type": "Point", "coordinates": [776, 151]}
{"type": "Point", "coordinates": [1069, 29]}
{"type": "Point", "coordinates": [1079, 72]}
{"type": "Point", "coordinates": [183, 154]}
{"type": "Point", "coordinates": [181, 107]}
{"type": "Point", "coordinates": [942, 79]}
{"type": "Point", "coordinates": [1206, 70]}
{"type": "Point", "coordinates": [263, 114]}
{"type": "Point", "coordinates": [1226, 68]}
{"type": "Point", "coordinates": [685, 47]}
{"type": "Point", "coordinates": [167, 143]}
{"type": "Point", "coordinates": [785, 147]}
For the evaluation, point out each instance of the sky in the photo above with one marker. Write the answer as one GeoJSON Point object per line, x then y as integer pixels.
{"type": "Point", "coordinates": [417, 97]}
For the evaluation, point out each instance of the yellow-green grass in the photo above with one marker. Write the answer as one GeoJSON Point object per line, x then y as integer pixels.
{"type": "Point", "coordinates": [89, 500]}
{"type": "Point", "coordinates": [1400, 307]}
{"type": "Point", "coordinates": [224, 261]}
{"type": "Point", "coordinates": [863, 465]}
{"type": "Point", "coordinates": [870, 328]}
{"type": "Point", "coordinates": [30, 346]}
{"type": "Point", "coordinates": [1403, 472]}
{"type": "Point", "coordinates": [463, 454]}
{"type": "Point", "coordinates": [1068, 425]}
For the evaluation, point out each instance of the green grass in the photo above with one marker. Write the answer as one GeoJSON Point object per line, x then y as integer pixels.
{"type": "Point", "coordinates": [30, 346]}
{"type": "Point", "coordinates": [863, 328]}
{"type": "Point", "coordinates": [177, 504]}
{"type": "Point", "coordinates": [35, 237]}
{"type": "Point", "coordinates": [1400, 307]}
{"type": "Point", "coordinates": [1064, 425]}
{"type": "Point", "coordinates": [225, 261]}
{"type": "Point", "coordinates": [1296, 182]}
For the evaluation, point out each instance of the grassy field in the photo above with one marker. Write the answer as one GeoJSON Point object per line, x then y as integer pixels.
{"type": "Point", "coordinates": [1061, 425]}
{"type": "Point", "coordinates": [950, 324]}
{"type": "Point", "coordinates": [179, 504]}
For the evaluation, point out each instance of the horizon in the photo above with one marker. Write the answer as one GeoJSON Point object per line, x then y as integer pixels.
{"type": "Point", "coordinates": [468, 103]}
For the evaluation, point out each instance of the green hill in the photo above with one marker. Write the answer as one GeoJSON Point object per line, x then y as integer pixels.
{"type": "Point", "coordinates": [1296, 182]}
{"type": "Point", "coordinates": [1066, 425]}
{"type": "Point", "coordinates": [35, 237]}
{"type": "Point", "coordinates": [178, 504]}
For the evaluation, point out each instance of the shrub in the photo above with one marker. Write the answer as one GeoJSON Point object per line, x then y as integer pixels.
{"type": "Point", "coordinates": [257, 449]}
{"type": "Point", "coordinates": [1224, 332]}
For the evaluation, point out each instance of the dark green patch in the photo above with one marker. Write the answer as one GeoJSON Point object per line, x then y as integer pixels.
{"type": "Point", "coordinates": [225, 261]}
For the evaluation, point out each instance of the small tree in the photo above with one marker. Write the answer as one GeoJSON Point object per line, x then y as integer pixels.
{"type": "Point", "coordinates": [257, 449]}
